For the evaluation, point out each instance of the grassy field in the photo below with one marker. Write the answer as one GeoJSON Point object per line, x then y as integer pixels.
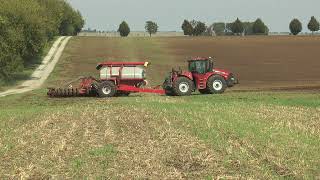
{"type": "Point", "coordinates": [259, 135]}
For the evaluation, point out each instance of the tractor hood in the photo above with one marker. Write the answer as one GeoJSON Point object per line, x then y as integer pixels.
{"type": "Point", "coordinates": [221, 71]}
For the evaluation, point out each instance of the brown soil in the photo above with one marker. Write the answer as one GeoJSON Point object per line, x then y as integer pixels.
{"type": "Point", "coordinates": [259, 62]}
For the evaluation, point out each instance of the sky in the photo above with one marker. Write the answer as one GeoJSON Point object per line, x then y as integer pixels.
{"type": "Point", "coordinates": [169, 14]}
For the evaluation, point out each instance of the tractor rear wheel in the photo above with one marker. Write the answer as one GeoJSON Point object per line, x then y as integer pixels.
{"type": "Point", "coordinates": [183, 86]}
{"type": "Point", "coordinates": [107, 89]}
{"type": "Point", "coordinates": [216, 85]}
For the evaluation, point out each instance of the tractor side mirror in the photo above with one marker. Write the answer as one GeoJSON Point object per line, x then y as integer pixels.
{"type": "Point", "coordinates": [180, 70]}
{"type": "Point", "coordinates": [210, 64]}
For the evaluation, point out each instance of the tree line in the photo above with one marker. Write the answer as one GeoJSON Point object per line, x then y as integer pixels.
{"type": "Point", "coordinates": [197, 28]}
{"type": "Point", "coordinates": [26, 26]}
{"type": "Point", "coordinates": [258, 27]}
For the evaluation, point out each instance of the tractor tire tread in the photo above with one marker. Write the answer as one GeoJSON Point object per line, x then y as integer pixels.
{"type": "Point", "coordinates": [111, 86]}
{"type": "Point", "coordinates": [210, 89]}
{"type": "Point", "coordinates": [176, 84]}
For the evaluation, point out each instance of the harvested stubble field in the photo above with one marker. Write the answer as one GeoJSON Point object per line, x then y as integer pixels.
{"type": "Point", "coordinates": [262, 134]}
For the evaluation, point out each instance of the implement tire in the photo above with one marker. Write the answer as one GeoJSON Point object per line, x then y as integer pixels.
{"type": "Point", "coordinates": [107, 89]}
{"type": "Point", "coordinates": [216, 84]}
{"type": "Point", "coordinates": [183, 86]}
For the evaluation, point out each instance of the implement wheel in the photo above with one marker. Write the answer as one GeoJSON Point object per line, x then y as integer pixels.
{"type": "Point", "coordinates": [216, 85]}
{"type": "Point", "coordinates": [183, 86]}
{"type": "Point", "coordinates": [107, 89]}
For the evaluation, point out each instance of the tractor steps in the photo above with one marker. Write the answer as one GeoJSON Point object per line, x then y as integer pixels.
{"type": "Point", "coordinates": [202, 84]}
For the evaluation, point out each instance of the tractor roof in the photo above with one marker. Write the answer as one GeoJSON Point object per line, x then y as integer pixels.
{"type": "Point", "coordinates": [200, 58]}
{"type": "Point", "coordinates": [100, 65]}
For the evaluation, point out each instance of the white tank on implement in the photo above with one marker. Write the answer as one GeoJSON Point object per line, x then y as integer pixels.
{"type": "Point", "coordinates": [128, 72]}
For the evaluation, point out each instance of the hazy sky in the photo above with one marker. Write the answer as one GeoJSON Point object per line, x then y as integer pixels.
{"type": "Point", "coordinates": [169, 14]}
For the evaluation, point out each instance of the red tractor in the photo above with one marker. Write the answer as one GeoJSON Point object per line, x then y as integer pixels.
{"type": "Point", "coordinates": [202, 76]}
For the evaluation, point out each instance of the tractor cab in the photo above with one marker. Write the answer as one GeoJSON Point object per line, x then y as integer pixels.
{"type": "Point", "coordinates": [201, 65]}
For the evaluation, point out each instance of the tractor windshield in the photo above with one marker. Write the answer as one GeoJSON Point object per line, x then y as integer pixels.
{"type": "Point", "coordinates": [200, 67]}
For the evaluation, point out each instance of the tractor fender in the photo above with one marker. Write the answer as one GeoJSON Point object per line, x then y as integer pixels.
{"type": "Point", "coordinates": [223, 73]}
{"type": "Point", "coordinates": [225, 77]}
{"type": "Point", "coordinates": [187, 75]}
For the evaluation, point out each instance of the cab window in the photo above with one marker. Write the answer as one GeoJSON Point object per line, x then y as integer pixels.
{"type": "Point", "coordinates": [198, 66]}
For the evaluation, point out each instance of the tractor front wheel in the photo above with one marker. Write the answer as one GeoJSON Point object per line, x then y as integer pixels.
{"type": "Point", "coordinates": [107, 89]}
{"type": "Point", "coordinates": [216, 84]}
{"type": "Point", "coordinates": [183, 86]}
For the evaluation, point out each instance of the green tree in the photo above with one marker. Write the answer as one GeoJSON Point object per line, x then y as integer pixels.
{"type": "Point", "coordinates": [259, 27]}
{"type": "Point", "coordinates": [187, 28]}
{"type": "Point", "coordinates": [77, 22]}
{"type": "Point", "coordinates": [237, 27]}
{"type": "Point", "coordinates": [228, 30]}
{"type": "Point", "coordinates": [124, 29]}
{"type": "Point", "coordinates": [194, 23]}
{"type": "Point", "coordinates": [70, 17]}
{"type": "Point", "coordinates": [199, 29]}
{"type": "Point", "coordinates": [295, 26]}
{"type": "Point", "coordinates": [27, 26]}
{"type": "Point", "coordinates": [219, 28]}
{"type": "Point", "coordinates": [151, 27]}
{"type": "Point", "coordinates": [248, 28]}
{"type": "Point", "coordinates": [54, 14]}
{"type": "Point", "coordinates": [10, 59]}
{"type": "Point", "coordinates": [27, 16]}
{"type": "Point", "coordinates": [313, 25]}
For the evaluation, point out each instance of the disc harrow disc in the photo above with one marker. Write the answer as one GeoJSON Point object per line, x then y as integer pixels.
{"type": "Point", "coordinates": [52, 92]}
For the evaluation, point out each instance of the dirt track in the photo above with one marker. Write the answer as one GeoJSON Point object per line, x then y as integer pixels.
{"type": "Point", "coordinates": [289, 63]}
